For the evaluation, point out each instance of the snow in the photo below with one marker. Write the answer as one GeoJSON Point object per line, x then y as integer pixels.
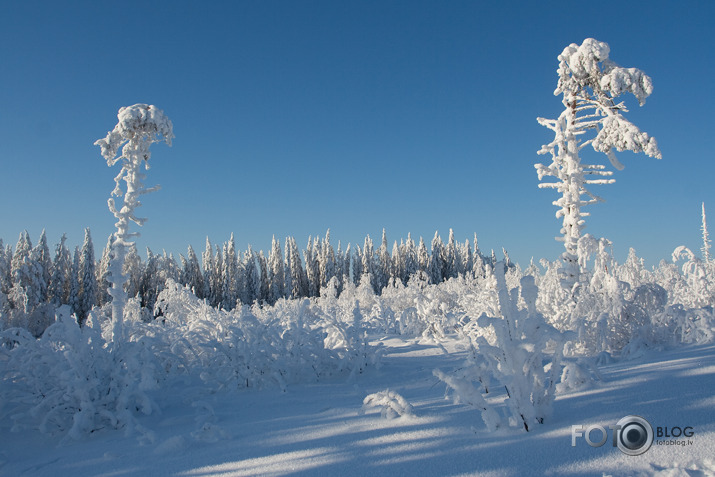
{"type": "Point", "coordinates": [323, 429]}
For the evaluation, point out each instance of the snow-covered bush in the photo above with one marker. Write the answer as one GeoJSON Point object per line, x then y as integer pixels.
{"type": "Point", "coordinates": [69, 382]}
{"type": "Point", "coordinates": [522, 342]}
{"type": "Point", "coordinates": [390, 403]}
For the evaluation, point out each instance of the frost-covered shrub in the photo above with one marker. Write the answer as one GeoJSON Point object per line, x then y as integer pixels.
{"type": "Point", "coordinates": [391, 404]}
{"type": "Point", "coordinates": [515, 359]}
{"type": "Point", "coordinates": [70, 382]}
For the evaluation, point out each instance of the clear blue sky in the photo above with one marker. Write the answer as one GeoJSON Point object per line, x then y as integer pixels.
{"type": "Point", "coordinates": [292, 117]}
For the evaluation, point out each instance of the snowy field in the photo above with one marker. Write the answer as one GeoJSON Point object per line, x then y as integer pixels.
{"type": "Point", "coordinates": [322, 429]}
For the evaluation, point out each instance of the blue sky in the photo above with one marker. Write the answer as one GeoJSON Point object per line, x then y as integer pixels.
{"type": "Point", "coordinates": [292, 117]}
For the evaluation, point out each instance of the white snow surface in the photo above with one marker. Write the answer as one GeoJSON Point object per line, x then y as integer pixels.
{"type": "Point", "coordinates": [323, 428]}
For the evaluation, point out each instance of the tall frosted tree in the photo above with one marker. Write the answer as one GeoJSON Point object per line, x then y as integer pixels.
{"type": "Point", "coordinates": [139, 126]}
{"type": "Point", "coordinates": [590, 84]}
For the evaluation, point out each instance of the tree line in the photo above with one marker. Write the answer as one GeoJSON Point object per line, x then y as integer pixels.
{"type": "Point", "coordinates": [34, 281]}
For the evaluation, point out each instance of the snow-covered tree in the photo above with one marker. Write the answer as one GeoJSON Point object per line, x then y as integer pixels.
{"type": "Point", "coordinates": [436, 266]}
{"type": "Point", "coordinates": [103, 273]}
{"type": "Point", "coordinates": [252, 276]}
{"type": "Point", "coordinates": [706, 239]}
{"type": "Point", "coordinates": [27, 272]}
{"type": "Point", "coordinates": [139, 126]}
{"type": "Point", "coordinates": [207, 261]}
{"type": "Point", "coordinates": [383, 266]}
{"type": "Point", "coordinates": [590, 83]}
{"type": "Point", "coordinates": [276, 272]}
{"type": "Point", "coordinates": [133, 269]}
{"type": "Point", "coordinates": [74, 282]}
{"type": "Point", "coordinates": [87, 296]}
{"type": "Point", "coordinates": [192, 276]}
{"type": "Point", "coordinates": [230, 275]}
{"type": "Point", "coordinates": [41, 254]}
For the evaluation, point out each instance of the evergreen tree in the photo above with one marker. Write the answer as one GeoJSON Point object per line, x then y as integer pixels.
{"type": "Point", "coordinates": [41, 254]}
{"type": "Point", "coordinates": [449, 258]}
{"type": "Point", "coordinates": [264, 291]}
{"type": "Point", "coordinates": [423, 259]}
{"type": "Point", "coordinates": [384, 265]}
{"type": "Point", "coordinates": [230, 275]}
{"type": "Point", "coordinates": [252, 277]}
{"type": "Point", "coordinates": [339, 267]}
{"type": "Point", "coordinates": [192, 276]}
{"type": "Point", "coordinates": [75, 283]}
{"type": "Point", "coordinates": [368, 262]}
{"type": "Point", "coordinates": [436, 267]}
{"type": "Point", "coordinates": [27, 272]}
{"type": "Point", "coordinates": [398, 262]}
{"type": "Point", "coordinates": [410, 258]}
{"type": "Point", "coordinates": [327, 261]}
{"type": "Point", "coordinates": [133, 270]}
{"type": "Point", "coordinates": [103, 273]}
{"type": "Point", "coordinates": [312, 266]}
{"type": "Point", "coordinates": [5, 270]}
{"type": "Point", "coordinates": [207, 259]}
{"type": "Point", "coordinates": [357, 266]}
{"type": "Point", "coordinates": [216, 297]}
{"type": "Point", "coordinates": [276, 273]}
{"type": "Point", "coordinates": [706, 239]}
{"type": "Point", "coordinates": [87, 293]}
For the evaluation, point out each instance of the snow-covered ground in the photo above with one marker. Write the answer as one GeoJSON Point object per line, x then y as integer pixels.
{"type": "Point", "coordinates": [322, 429]}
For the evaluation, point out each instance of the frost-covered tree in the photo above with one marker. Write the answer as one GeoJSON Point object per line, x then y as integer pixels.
{"type": "Point", "coordinates": [276, 272]}
{"type": "Point", "coordinates": [436, 266]}
{"type": "Point", "coordinates": [207, 261]}
{"type": "Point", "coordinates": [706, 239]}
{"type": "Point", "coordinates": [192, 276]}
{"type": "Point", "coordinates": [383, 266]}
{"type": "Point", "coordinates": [27, 272]}
{"type": "Point", "coordinates": [230, 275]}
{"type": "Point", "coordinates": [87, 295]}
{"type": "Point", "coordinates": [252, 276]}
{"type": "Point", "coordinates": [5, 269]}
{"type": "Point", "coordinates": [133, 269]}
{"type": "Point", "coordinates": [327, 261]}
{"type": "Point", "coordinates": [423, 259]}
{"type": "Point", "coordinates": [41, 254]}
{"type": "Point", "coordinates": [368, 262]}
{"type": "Point", "coordinates": [139, 126]}
{"type": "Point", "coordinates": [103, 273]}
{"type": "Point", "coordinates": [264, 290]}
{"type": "Point", "coordinates": [74, 282]}
{"type": "Point", "coordinates": [590, 83]}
